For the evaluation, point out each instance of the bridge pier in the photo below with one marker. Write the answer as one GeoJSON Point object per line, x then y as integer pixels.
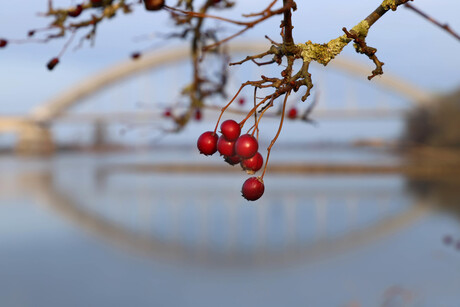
{"type": "Point", "coordinates": [100, 134]}
{"type": "Point", "coordinates": [35, 139]}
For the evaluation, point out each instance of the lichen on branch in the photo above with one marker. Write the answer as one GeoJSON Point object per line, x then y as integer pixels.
{"type": "Point", "coordinates": [390, 4]}
{"type": "Point", "coordinates": [324, 53]}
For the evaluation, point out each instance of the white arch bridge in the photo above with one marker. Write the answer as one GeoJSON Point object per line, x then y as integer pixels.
{"type": "Point", "coordinates": [34, 129]}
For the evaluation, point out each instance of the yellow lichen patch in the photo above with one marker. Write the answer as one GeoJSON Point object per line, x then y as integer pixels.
{"type": "Point", "coordinates": [389, 4]}
{"type": "Point", "coordinates": [323, 53]}
{"type": "Point", "coordinates": [335, 46]}
{"type": "Point", "coordinates": [361, 28]}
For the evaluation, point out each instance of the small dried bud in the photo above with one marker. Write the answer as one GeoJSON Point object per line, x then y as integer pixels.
{"type": "Point", "coordinates": [76, 11]}
{"type": "Point", "coordinates": [99, 3]}
{"type": "Point", "coordinates": [3, 43]}
{"type": "Point", "coordinates": [135, 55]}
{"type": "Point", "coordinates": [154, 5]}
{"type": "Point", "coordinates": [52, 63]}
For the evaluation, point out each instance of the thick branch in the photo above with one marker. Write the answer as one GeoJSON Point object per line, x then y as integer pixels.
{"type": "Point", "coordinates": [382, 9]}
{"type": "Point", "coordinates": [287, 22]}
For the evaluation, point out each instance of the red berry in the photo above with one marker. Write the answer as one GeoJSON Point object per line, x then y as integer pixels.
{"type": "Point", "coordinates": [292, 113]}
{"type": "Point", "coordinates": [233, 160]}
{"type": "Point", "coordinates": [52, 63]}
{"type": "Point", "coordinates": [253, 188]}
{"type": "Point", "coordinates": [253, 164]}
{"type": "Point", "coordinates": [246, 146]}
{"type": "Point", "coordinates": [241, 101]}
{"type": "Point", "coordinates": [167, 113]}
{"type": "Point", "coordinates": [198, 115]}
{"type": "Point", "coordinates": [230, 129]}
{"type": "Point", "coordinates": [76, 11]}
{"type": "Point", "coordinates": [225, 147]}
{"type": "Point", "coordinates": [154, 5]}
{"type": "Point", "coordinates": [3, 43]}
{"type": "Point", "coordinates": [207, 143]}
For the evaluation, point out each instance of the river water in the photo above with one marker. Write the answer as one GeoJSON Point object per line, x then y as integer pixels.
{"type": "Point", "coordinates": [86, 229]}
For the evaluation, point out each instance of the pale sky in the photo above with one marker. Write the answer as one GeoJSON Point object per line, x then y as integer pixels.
{"type": "Point", "coordinates": [410, 46]}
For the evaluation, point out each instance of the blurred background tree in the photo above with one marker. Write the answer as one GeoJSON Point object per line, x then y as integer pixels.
{"type": "Point", "coordinates": [435, 124]}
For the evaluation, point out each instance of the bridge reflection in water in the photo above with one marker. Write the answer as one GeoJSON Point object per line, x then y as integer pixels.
{"type": "Point", "coordinates": [201, 216]}
{"type": "Point", "coordinates": [316, 224]}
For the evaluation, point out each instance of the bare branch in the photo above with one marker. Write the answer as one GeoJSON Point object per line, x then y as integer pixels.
{"type": "Point", "coordinates": [444, 26]}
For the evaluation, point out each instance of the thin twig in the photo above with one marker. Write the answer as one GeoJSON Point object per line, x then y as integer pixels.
{"type": "Point", "coordinates": [444, 26]}
{"type": "Point", "coordinates": [283, 111]}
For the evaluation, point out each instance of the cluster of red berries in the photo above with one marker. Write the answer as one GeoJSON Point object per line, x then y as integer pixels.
{"type": "Point", "coordinates": [236, 148]}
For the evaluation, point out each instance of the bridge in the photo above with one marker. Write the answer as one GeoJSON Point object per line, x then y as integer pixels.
{"type": "Point", "coordinates": [35, 134]}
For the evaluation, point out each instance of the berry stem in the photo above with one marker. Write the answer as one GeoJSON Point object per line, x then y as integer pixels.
{"type": "Point", "coordinates": [67, 44]}
{"type": "Point", "coordinates": [277, 133]}
{"type": "Point", "coordinates": [254, 109]}
{"type": "Point", "coordinates": [255, 113]}
{"type": "Point", "coordinates": [256, 124]}
{"type": "Point", "coordinates": [228, 104]}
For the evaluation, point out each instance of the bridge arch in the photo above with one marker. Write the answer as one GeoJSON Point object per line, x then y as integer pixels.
{"type": "Point", "coordinates": [52, 109]}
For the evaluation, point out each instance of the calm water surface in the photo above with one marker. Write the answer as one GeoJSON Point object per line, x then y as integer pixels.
{"type": "Point", "coordinates": [76, 231]}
